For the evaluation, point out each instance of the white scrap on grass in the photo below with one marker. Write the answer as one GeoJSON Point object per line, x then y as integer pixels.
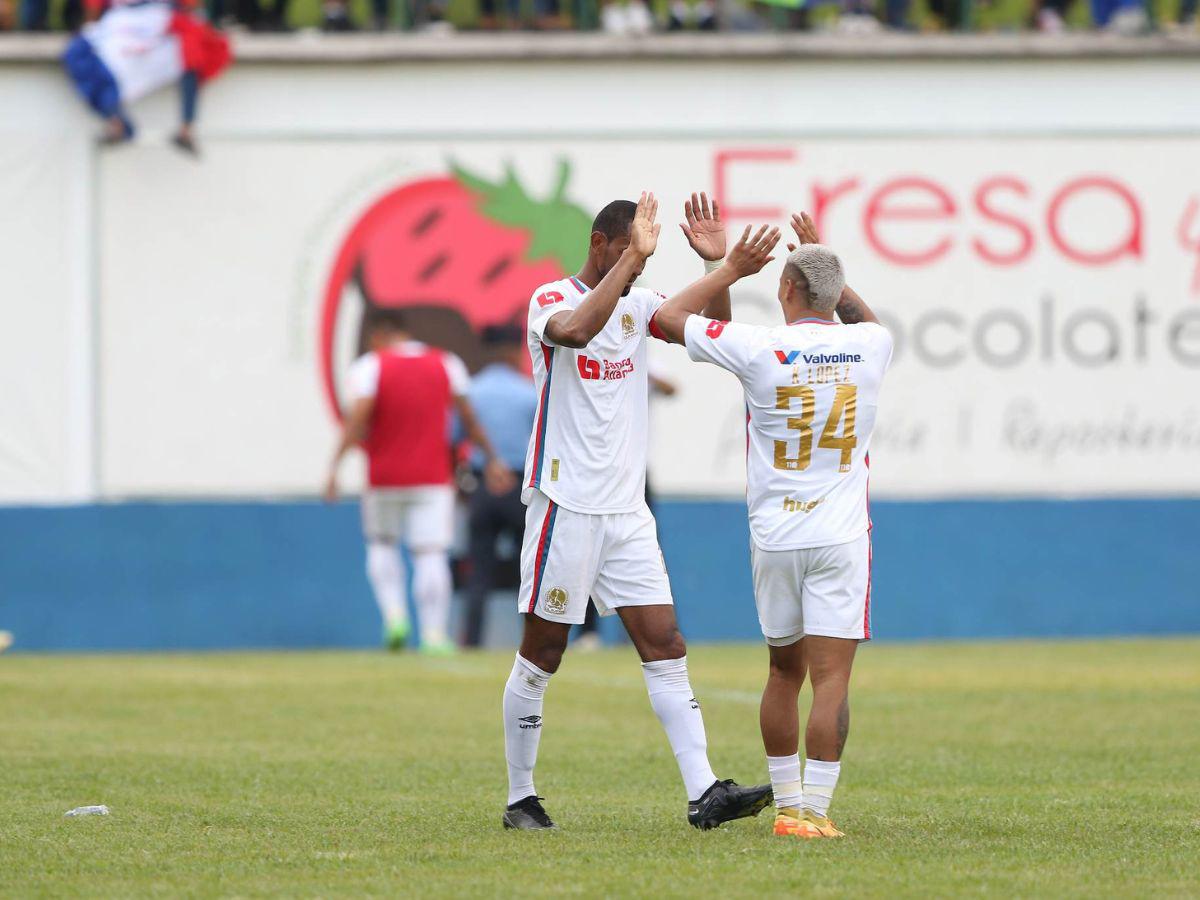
{"type": "Point", "coordinates": [87, 811]}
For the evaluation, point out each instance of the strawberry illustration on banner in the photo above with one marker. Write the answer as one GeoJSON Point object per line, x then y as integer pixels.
{"type": "Point", "coordinates": [456, 253]}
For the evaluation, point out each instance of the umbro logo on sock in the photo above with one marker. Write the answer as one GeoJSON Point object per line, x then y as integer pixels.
{"type": "Point", "coordinates": [530, 721]}
{"type": "Point", "coordinates": [695, 703]}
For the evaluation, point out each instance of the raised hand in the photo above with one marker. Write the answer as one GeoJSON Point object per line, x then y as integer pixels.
{"type": "Point", "coordinates": [643, 233]}
{"type": "Point", "coordinates": [750, 254]}
{"type": "Point", "coordinates": [805, 228]}
{"type": "Point", "coordinates": [704, 229]}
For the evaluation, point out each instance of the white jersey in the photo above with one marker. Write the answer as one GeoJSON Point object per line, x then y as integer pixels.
{"type": "Point", "coordinates": [137, 46]}
{"type": "Point", "coordinates": [812, 389]}
{"type": "Point", "coordinates": [587, 452]}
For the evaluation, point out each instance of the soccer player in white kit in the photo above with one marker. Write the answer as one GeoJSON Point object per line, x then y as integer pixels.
{"type": "Point", "coordinates": [588, 531]}
{"type": "Point", "coordinates": [811, 387]}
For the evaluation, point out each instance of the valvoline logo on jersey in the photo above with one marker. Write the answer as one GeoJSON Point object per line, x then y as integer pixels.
{"type": "Point", "coordinates": [816, 359]}
{"type": "Point", "coordinates": [457, 253]}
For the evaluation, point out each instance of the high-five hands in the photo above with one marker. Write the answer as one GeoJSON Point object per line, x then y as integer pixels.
{"type": "Point", "coordinates": [704, 229]}
{"type": "Point", "coordinates": [643, 233]}
{"type": "Point", "coordinates": [750, 254]}
{"type": "Point", "coordinates": [805, 228]}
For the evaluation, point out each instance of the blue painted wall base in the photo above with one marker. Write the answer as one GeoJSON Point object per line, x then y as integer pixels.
{"type": "Point", "coordinates": [155, 576]}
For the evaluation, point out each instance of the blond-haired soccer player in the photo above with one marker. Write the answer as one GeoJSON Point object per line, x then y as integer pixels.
{"type": "Point", "coordinates": [811, 386]}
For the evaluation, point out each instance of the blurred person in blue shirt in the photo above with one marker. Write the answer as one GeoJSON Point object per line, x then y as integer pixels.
{"type": "Point", "coordinates": [1121, 16]}
{"type": "Point", "coordinates": [506, 403]}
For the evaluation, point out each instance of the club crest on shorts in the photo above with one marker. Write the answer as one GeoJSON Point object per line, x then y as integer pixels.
{"type": "Point", "coordinates": [628, 326]}
{"type": "Point", "coordinates": [556, 601]}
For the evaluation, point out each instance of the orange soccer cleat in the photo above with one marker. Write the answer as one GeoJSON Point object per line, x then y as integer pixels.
{"type": "Point", "coordinates": [793, 822]}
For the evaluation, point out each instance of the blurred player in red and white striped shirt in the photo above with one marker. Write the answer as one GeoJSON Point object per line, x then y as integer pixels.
{"type": "Point", "coordinates": [402, 393]}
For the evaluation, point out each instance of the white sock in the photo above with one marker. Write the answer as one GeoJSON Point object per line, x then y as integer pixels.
{"type": "Point", "coordinates": [385, 571]}
{"type": "Point", "coordinates": [431, 591]}
{"type": "Point", "coordinates": [820, 778]}
{"type": "Point", "coordinates": [785, 780]}
{"type": "Point", "coordinates": [676, 707]}
{"type": "Point", "coordinates": [523, 695]}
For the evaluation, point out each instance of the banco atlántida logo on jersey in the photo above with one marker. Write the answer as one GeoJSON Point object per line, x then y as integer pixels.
{"type": "Point", "coordinates": [602, 369]}
{"type": "Point", "coordinates": [457, 253]}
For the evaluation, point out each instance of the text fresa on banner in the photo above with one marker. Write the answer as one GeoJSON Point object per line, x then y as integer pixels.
{"type": "Point", "coordinates": [1000, 219]}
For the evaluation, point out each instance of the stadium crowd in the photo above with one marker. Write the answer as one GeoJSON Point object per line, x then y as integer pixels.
{"type": "Point", "coordinates": [861, 17]}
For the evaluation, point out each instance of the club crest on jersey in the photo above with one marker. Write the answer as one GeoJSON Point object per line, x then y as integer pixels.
{"type": "Point", "coordinates": [556, 601]}
{"type": "Point", "coordinates": [628, 326]}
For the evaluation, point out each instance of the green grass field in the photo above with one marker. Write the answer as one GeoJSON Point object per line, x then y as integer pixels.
{"type": "Point", "coordinates": [1033, 769]}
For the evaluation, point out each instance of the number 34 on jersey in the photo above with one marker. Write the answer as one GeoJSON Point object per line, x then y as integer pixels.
{"type": "Point", "coordinates": [837, 433]}
{"type": "Point", "coordinates": [806, 468]}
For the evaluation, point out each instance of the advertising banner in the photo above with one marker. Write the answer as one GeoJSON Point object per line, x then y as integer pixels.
{"type": "Point", "coordinates": [1044, 294]}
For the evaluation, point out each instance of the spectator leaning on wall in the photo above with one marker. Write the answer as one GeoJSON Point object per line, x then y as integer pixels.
{"type": "Point", "coordinates": [136, 48]}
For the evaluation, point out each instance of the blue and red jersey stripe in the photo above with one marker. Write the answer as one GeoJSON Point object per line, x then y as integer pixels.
{"type": "Point", "coordinates": [870, 553]}
{"type": "Point", "coordinates": [543, 552]}
{"type": "Point", "coordinates": [867, 603]}
{"type": "Point", "coordinates": [539, 447]}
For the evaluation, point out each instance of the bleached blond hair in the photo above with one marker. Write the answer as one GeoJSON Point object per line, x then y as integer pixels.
{"type": "Point", "coordinates": [821, 269]}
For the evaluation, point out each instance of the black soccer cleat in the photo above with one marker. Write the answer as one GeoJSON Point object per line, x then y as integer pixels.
{"type": "Point", "coordinates": [527, 815]}
{"type": "Point", "coordinates": [726, 801]}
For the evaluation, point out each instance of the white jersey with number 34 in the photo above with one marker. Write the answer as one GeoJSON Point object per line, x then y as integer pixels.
{"type": "Point", "coordinates": [812, 388]}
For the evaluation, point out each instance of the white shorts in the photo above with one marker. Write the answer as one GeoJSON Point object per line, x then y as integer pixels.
{"type": "Point", "coordinates": [567, 557]}
{"type": "Point", "coordinates": [421, 517]}
{"type": "Point", "coordinates": [824, 591]}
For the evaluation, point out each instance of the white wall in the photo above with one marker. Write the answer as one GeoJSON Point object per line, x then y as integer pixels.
{"type": "Point", "coordinates": [206, 278]}
{"type": "Point", "coordinates": [46, 300]}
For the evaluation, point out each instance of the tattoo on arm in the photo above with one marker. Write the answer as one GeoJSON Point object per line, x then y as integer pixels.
{"type": "Point", "coordinates": [843, 726]}
{"type": "Point", "coordinates": [852, 310]}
